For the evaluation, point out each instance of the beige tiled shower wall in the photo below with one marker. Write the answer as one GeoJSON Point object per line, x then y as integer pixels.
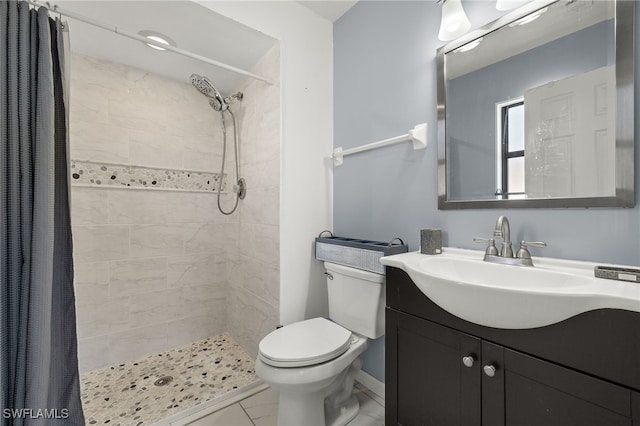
{"type": "Point", "coordinates": [151, 266]}
{"type": "Point", "coordinates": [254, 276]}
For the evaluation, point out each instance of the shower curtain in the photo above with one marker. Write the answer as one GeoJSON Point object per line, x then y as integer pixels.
{"type": "Point", "coordinates": [39, 382]}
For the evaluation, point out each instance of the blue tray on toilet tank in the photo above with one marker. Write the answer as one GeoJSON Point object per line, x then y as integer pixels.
{"type": "Point", "coordinates": [357, 253]}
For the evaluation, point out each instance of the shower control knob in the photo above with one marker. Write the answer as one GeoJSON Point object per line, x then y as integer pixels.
{"type": "Point", "coordinates": [468, 360]}
{"type": "Point", "coordinates": [489, 370]}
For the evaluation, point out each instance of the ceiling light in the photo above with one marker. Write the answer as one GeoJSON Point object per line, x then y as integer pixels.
{"type": "Point", "coordinates": [509, 4]}
{"type": "Point", "coordinates": [159, 40]}
{"type": "Point", "coordinates": [157, 37]}
{"type": "Point", "coordinates": [454, 21]}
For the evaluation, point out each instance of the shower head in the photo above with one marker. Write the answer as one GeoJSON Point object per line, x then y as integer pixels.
{"type": "Point", "coordinates": [206, 87]}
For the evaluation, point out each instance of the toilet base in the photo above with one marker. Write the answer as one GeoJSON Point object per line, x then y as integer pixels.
{"type": "Point", "coordinates": [306, 407]}
{"type": "Point", "coordinates": [340, 405]}
{"type": "Point", "coordinates": [293, 407]}
{"type": "Point", "coordinates": [348, 412]}
{"type": "Point", "coordinates": [334, 405]}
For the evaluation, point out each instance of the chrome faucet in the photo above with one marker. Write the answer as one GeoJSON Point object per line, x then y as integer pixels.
{"type": "Point", "coordinates": [505, 256]}
{"type": "Point", "coordinates": [503, 230]}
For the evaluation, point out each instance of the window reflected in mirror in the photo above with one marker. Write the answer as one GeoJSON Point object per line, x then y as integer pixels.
{"type": "Point", "coordinates": [510, 148]}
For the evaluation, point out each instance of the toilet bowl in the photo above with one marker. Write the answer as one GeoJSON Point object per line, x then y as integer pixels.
{"type": "Point", "coordinates": [313, 363]}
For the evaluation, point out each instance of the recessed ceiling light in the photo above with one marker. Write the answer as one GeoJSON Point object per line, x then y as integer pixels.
{"type": "Point", "coordinates": [157, 37]}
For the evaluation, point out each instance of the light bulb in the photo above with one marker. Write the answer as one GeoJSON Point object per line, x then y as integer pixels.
{"type": "Point", "coordinates": [454, 21]}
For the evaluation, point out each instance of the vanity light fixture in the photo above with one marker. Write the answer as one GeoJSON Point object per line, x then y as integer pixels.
{"type": "Point", "coordinates": [157, 37]}
{"type": "Point", "coordinates": [454, 21]}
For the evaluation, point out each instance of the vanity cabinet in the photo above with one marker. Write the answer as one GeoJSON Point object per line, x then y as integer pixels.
{"type": "Point", "coordinates": [442, 370]}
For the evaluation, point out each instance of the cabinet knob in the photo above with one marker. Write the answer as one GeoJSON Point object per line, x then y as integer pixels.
{"type": "Point", "coordinates": [489, 370]}
{"type": "Point", "coordinates": [468, 360]}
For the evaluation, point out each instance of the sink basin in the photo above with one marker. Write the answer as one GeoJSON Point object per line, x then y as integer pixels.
{"type": "Point", "coordinates": [513, 297]}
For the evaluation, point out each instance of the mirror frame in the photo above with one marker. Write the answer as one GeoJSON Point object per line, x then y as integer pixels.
{"type": "Point", "coordinates": [625, 156]}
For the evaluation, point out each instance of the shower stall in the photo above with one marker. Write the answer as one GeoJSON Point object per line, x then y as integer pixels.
{"type": "Point", "coordinates": [170, 256]}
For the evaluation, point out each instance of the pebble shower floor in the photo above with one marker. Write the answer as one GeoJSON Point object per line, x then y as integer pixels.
{"type": "Point", "coordinates": [126, 395]}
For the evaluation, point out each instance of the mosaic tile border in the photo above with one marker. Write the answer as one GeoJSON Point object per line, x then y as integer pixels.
{"type": "Point", "coordinates": [112, 175]}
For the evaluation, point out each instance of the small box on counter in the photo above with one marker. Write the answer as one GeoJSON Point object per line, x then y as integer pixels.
{"type": "Point", "coordinates": [431, 241]}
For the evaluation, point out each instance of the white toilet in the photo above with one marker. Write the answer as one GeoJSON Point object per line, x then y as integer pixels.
{"type": "Point", "coordinates": [313, 363]}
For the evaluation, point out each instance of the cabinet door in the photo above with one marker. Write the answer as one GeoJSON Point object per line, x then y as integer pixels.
{"type": "Point", "coordinates": [536, 392]}
{"type": "Point", "coordinates": [493, 389]}
{"type": "Point", "coordinates": [427, 378]}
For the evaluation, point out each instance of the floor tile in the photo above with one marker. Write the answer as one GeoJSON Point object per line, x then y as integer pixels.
{"type": "Point", "coordinates": [262, 410]}
{"type": "Point", "coordinates": [233, 415]}
{"type": "Point", "coordinates": [262, 407]}
{"type": "Point", "coordinates": [377, 398]}
{"type": "Point", "coordinates": [371, 413]}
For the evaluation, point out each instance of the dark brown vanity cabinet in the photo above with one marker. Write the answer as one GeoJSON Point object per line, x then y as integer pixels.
{"type": "Point", "coordinates": [441, 370]}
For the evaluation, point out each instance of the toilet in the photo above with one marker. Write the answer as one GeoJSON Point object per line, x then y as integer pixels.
{"type": "Point", "coordinates": [313, 363]}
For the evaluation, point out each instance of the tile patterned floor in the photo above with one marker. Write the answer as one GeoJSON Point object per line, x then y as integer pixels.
{"type": "Point", "coordinates": [261, 409]}
{"type": "Point", "coordinates": [125, 395]}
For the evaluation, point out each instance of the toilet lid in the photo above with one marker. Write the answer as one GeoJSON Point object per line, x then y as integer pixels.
{"type": "Point", "coordinates": [304, 343]}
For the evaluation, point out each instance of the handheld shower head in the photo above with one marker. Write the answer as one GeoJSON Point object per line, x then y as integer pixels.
{"type": "Point", "coordinates": [206, 87]}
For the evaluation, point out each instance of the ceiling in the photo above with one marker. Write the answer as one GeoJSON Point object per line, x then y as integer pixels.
{"type": "Point", "coordinates": [193, 28]}
{"type": "Point", "coordinates": [331, 10]}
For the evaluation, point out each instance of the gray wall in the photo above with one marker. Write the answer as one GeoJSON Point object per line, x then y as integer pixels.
{"type": "Point", "coordinates": [384, 84]}
{"type": "Point", "coordinates": [471, 100]}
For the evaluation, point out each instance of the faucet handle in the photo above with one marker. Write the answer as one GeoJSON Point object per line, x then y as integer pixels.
{"type": "Point", "coordinates": [491, 247]}
{"type": "Point", "coordinates": [483, 240]}
{"type": "Point", "coordinates": [523, 252]}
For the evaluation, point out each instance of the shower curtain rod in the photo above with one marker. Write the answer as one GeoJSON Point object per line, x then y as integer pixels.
{"type": "Point", "coordinates": [55, 9]}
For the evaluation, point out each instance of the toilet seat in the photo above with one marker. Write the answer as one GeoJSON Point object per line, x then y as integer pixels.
{"type": "Point", "coordinates": [304, 343]}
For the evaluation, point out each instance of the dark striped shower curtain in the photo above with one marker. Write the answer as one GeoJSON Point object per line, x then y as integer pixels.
{"type": "Point", "coordinates": [39, 383]}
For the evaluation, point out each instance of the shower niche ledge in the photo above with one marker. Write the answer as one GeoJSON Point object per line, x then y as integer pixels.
{"type": "Point", "coordinates": [128, 176]}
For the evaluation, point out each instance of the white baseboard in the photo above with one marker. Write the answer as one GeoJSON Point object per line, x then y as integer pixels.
{"type": "Point", "coordinates": [371, 383]}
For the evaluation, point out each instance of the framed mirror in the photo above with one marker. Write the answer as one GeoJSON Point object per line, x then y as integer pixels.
{"type": "Point", "coordinates": [536, 109]}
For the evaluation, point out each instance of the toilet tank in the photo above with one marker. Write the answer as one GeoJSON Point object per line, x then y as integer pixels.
{"type": "Point", "coordinates": [357, 299]}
